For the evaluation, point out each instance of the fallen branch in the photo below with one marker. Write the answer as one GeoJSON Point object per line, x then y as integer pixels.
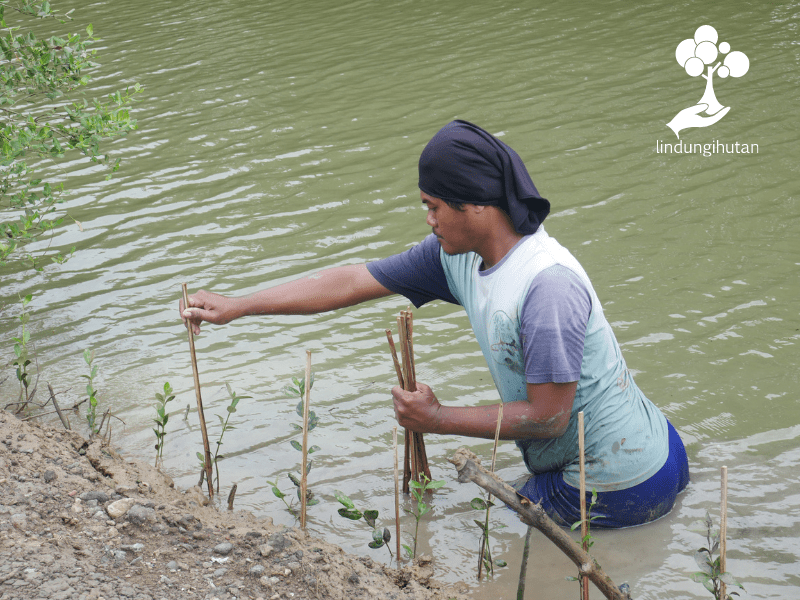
{"type": "Point", "coordinates": [469, 469]}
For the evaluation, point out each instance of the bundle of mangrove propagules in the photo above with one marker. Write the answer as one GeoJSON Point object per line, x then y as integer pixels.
{"type": "Point", "coordinates": [415, 460]}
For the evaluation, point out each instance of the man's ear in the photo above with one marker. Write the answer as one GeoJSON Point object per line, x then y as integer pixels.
{"type": "Point", "coordinates": [477, 208]}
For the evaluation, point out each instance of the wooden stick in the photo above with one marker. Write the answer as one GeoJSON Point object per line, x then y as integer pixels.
{"type": "Point", "coordinates": [200, 413]}
{"type": "Point", "coordinates": [584, 522]}
{"type": "Point", "coordinates": [231, 496]}
{"type": "Point", "coordinates": [64, 421]}
{"type": "Point", "coordinates": [303, 473]}
{"type": "Point", "coordinates": [396, 495]}
{"type": "Point", "coordinates": [723, 527]}
{"type": "Point", "coordinates": [535, 516]}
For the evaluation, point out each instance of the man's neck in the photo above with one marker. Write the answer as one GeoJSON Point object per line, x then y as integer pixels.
{"type": "Point", "coordinates": [496, 249]}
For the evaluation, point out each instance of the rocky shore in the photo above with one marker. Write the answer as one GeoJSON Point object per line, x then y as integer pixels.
{"type": "Point", "coordinates": [79, 522]}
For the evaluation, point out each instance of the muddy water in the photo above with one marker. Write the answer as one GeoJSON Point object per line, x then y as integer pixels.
{"type": "Point", "coordinates": [281, 137]}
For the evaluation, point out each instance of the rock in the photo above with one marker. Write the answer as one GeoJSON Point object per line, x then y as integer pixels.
{"type": "Point", "coordinates": [278, 541]}
{"type": "Point", "coordinates": [139, 515]}
{"type": "Point", "coordinates": [294, 567]}
{"type": "Point", "coordinates": [224, 548]}
{"type": "Point", "coordinates": [220, 572]}
{"type": "Point", "coordinates": [256, 570]}
{"type": "Point", "coordinates": [118, 509]}
{"type": "Point", "coordinates": [20, 521]}
{"type": "Point", "coordinates": [265, 550]}
{"type": "Point", "coordinates": [132, 547]}
{"type": "Point", "coordinates": [49, 476]}
{"type": "Point", "coordinates": [172, 565]}
{"type": "Point", "coordinates": [353, 578]}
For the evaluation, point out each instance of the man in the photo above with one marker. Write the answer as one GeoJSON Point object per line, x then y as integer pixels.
{"type": "Point", "coordinates": [539, 323]}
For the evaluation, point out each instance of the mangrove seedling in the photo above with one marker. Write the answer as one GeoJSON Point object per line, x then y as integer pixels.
{"type": "Point", "coordinates": [226, 426]}
{"type": "Point", "coordinates": [22, 359]}
{"type": "Point", "coordinates": [710, 574]}
{"type": "Point", "coordinates": [587, 541]}
{"type": "Point", "coordinates": [161, 419]}
{"type": "Point", "coordinates": [299, 390]}
{"type": "Point", "coordinates": [380, 537]}
{"type": "Point", "coordinates": [91, 411]}
{"type": "Point", "coordinates": [421, 508]}
{"type": "Point", "coordinates": [485, 551]}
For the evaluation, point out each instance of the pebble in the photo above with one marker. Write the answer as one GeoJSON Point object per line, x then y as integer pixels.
{"type": "Point", "coordinates": [140, 515]}
{"type": "Point", "coordinates": [257, 570]}
{"type": "Point", "coordinates": [265, 550]}
{"type": "Point", "coordinates": [118, 509]}
{"type": "Point", "coordinates": [223, 548]}
{"type": "Point", "coordinates": [49, 476]}
{"type": "Point", "coordinates": [172, 565]}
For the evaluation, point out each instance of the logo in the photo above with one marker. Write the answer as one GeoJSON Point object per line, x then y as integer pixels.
{"type": "Point", "coordinates": [696, 56]}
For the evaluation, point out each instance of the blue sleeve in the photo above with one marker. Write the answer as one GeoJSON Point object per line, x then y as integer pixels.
{"type": "Point", "coordinates": [553, 326]}
{"type": "Point", "coordinates": [416, 273]}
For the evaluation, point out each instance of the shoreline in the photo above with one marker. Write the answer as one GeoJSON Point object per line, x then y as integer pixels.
{"type": "Point", "coordinates": [79, 521]}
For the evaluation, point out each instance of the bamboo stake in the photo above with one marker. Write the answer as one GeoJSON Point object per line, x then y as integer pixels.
{"type": "Point", "coordinates": [398, 369]}
{"type": "Point", "coordinates": [723, 527]}
{"type": "Point", "coordinates": [415, 459]}
{"type": "Point", "coordinates": [200, 413]}
{"type": "Point", "coordinates": [303, 473]}
{"type": "Point", "coordinates": [584, 522]}
{"type": "Point", "coordinates": [396, 496]}
{"type": "Point", "coordinates": [523, 569]}
{"type": "Point", "coordinates": [494, 459]}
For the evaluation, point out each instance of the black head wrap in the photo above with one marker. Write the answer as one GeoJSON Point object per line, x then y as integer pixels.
{"type": "Point", "coordinates": [463, 163]}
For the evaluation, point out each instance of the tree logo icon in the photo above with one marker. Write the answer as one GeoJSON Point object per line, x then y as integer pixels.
{"type": "Point", "coordinates": [696, 55]}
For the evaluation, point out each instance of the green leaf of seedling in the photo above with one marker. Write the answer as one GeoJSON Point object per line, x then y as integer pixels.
{"type": "Point", "coordinates": [499, 562]}
{"type": "Point", "coordinates": [699, 577]}
{"type": "Point", "coordinates": [291, 391]}
{"type": "Point", "coordinates": [702, 563]}
{"type": "Point", "coordinates": [571, 578]}
{"type": "Point", "coordinates": [313, 449]}
{"type": "Point", "coordinates": [415, 484]}
{"type": "Point", "coordinates": [308, 467]}
{"type": "Point", "coordinates": [278, 493]}
{"type": "Point", "coordinates": [350, 513]}
{"type": "Point", "coordinates": [312, 502]}
{"type": "Point", "coordinates": [480, 524]}
{"type": "Point", "coordinates": [728, 579]}
{"type": "Point", "coordinates": [375, 544]}
{"type": "Point", "coordinates": [575, 525]}
{"type": "Point", "coordinates": [435, 485]}
{"type": "Point", "coordinates": [160, 398]}
{"type": "Point", "coordinates": [26, 299]}
{"type": "Point", "coordinates": [294, 479]}
{"type": "Point", "coordinates": [698, 527]}
{"type": "Point", "coordinates": [296, 427]}
{"type": "Point", "coordinates": [387, 535]}
{"type": "Point", "coordinates": [377, 537]}
{"type": "Point", "coordinates": [370, 516]}
{"type": "Point", "coordinates": [296, 445]}
{"type": "Point", "coordinates": [478, 504]}
{"type": "Point", "coordinates": [299, 409]}
{"type": "Point", "coordinates": [408, 550]}
{"type": "Point", "coordinates": [343, 499]}
{"type": "Point", "coordinates": [709, 585]}
{"type": "Point", "coordinates": [422, 508]}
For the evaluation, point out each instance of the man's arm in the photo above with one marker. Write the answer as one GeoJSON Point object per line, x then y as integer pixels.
{"type": "Point", "coordinates": [544, 415]}
{"type": "Point", "coordinates": [327, 290]}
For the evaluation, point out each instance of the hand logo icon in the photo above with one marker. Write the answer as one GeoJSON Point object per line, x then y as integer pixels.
{"type": "Point", "coordinates": [696, 55]}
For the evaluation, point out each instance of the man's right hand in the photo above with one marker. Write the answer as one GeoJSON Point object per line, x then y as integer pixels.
{"type": "Point", "coordinates": [206, 306]}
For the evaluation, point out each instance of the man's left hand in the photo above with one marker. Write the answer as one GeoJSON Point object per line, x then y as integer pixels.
{"type": "Point", "coordinates": [417, 411]}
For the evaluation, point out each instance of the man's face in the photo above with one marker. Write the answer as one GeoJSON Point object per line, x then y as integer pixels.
{"type": "Point", "coordinates": [450, 226]}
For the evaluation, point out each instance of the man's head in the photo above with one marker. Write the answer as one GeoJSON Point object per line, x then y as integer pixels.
{"type": "Point", "coordinates": [463, 164]}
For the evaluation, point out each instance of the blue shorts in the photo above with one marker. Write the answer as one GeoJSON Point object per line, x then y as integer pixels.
{"type": "Point", "coordinates": [639, 504]}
